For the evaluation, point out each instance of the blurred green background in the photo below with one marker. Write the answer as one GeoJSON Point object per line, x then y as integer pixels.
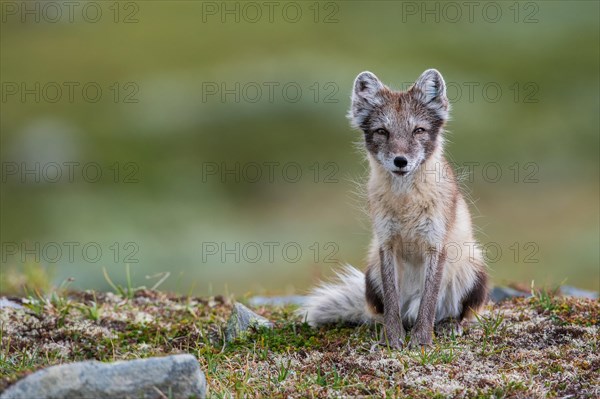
{"type": "Point", "coordinates": [198, 97]}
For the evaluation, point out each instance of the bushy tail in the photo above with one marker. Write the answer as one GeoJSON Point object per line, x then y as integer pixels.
{"type": "Point", "coordinates": [342, 300]}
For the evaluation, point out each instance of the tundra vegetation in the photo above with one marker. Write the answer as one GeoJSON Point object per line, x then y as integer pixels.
{"type": "Point", "coordinates": [542, 346]}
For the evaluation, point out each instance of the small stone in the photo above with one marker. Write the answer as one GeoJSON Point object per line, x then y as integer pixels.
{"type": "Point", "coordinates": [277, 300]}
{"type": "Point", "coordinates": [241, 320]}
{"type": "Point", "coordinates": [499, 294]}
{"type": "Point", "coordinates": [567, 290]}
{"type": "Point", "coordinates": [7, 303]}
{"type": "Point", "coordinates": [177, 376]}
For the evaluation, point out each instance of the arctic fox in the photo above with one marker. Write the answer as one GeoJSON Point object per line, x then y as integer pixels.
{"type": "Point", "coordinates": [424, 265]}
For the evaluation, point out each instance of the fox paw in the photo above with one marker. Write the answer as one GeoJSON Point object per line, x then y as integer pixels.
{"type": "Point", "coordinates": [392, 338]}
{"type": "Point", "coordinates": [449, 328]}
{"type": "Point", "coordinates": [420, 338]}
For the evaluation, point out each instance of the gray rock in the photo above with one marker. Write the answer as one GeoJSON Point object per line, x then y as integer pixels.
{"type": "Point", "coordinates": [277, 300]}
{"type": "Point", "coordinates": [177, 376]}
{"type": "Point", "coordinates": [7, 303]}
{"type": "Point", "coordinates": [241, 321]}
{"type": "Point", "coordinates": [499, 294]}
{"type": "Point", "coordinates": [568, 290]}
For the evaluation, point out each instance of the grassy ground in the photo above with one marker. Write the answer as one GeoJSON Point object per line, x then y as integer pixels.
{"type": "Point", "coordinates": [543, 346]}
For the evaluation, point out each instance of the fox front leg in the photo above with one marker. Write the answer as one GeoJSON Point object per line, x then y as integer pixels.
{"type": "Point", "coordinates": [393, 331]}
{"type": "Point", "coordinates": [422, 331]}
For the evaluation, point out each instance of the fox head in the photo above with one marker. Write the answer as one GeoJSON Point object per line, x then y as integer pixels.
{"type": "Point", "coordinates": [401, 128]}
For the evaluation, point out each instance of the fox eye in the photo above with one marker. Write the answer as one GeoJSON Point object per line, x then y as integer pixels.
{"type": "Point", "coordinates": [383, 132]}
{"type": "Point", "coordinates": [418, 130]}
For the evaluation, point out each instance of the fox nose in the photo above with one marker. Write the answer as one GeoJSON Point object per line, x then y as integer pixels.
{"type": "Point", "coordinates": [400, 162]}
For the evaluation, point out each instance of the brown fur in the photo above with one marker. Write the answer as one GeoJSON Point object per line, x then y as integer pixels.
{"type": "Point", "coordinates": [417, 211]}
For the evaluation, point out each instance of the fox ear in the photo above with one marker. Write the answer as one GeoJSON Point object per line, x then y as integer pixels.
{"type": "Point", "coordinates": [430, 89]}
{"type": "Point", "coordinates": [365, 96]}
{"type": "Point", "coordinates": [366, 87]}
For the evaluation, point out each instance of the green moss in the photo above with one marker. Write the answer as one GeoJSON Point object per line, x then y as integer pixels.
{"type": "Point", "coordinates": [519, 348]}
